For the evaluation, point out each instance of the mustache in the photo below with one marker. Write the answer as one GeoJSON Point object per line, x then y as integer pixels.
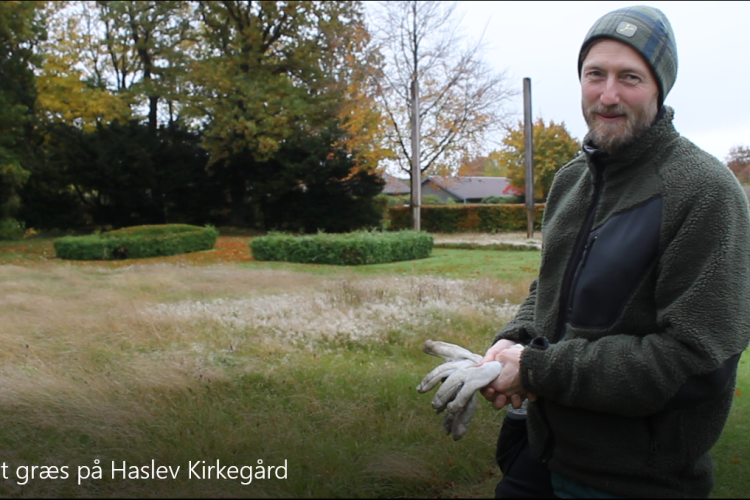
{"type": "Point", "coordinates": [615, 109]}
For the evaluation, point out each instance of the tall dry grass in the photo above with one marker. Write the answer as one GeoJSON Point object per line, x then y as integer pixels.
{"type": "Point", "coordinates": [180, 363]}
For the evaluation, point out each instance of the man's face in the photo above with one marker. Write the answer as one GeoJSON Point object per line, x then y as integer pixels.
{"type": "Point", "coordinates": [619, 94]}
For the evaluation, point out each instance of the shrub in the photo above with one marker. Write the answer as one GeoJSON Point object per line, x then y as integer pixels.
{"type": "Point", "coordinates": [361, 247]}
{"type": "Point", "coordinates": [11, 229]}
{"type": "Point", "coordinates": [502, 199]}
{"type": "Point", "coordinates": [458, 218]}
{"type": "Point", "coordinates": [432, 199]}
{"type": "Point", "coordinates": [137, 242]}
{"type": "Point", "coordinates": [492, 200]}
{"type": "Point", "coordinates": [398, 200]}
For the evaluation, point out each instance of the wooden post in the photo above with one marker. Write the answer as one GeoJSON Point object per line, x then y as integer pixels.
{"type": "Point", "coordinates": [529, 152]}
{"type": "Point", "coordinates": [416, 175]}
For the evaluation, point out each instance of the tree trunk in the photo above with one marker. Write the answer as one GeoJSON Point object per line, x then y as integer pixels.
{"type": "Point", "coordinates": [153, 103]}
{"type": "Point", "coordinates": [237, 193]}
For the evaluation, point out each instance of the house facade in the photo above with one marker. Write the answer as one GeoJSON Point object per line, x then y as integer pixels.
{"type": "Point", "coordinates": [467, 189]}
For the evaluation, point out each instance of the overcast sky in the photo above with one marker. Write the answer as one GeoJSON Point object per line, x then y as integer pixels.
{"type": "Point", "coordinates": [541, 40]}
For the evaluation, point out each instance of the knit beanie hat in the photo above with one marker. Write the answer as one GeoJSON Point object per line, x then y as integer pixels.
{"type": "Point", "coordinates": [648, 31]}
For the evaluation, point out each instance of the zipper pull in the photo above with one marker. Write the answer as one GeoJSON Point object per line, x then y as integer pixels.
{"type": "Point", "coordinates": [654, 447]}
{"type": "Point", "coordinates": [587, 251]}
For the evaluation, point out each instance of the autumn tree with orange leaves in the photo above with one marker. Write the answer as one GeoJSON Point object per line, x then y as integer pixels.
{"type": "Point", "coordinates": [277, 94]}
{"type": "Point", "coordinates": [553, 148]}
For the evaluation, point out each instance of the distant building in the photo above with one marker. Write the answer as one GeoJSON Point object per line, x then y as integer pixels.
{"type": "Point", "coordinates": [467, 189]}
{"type": "Point", "coordinates": [395, 186]}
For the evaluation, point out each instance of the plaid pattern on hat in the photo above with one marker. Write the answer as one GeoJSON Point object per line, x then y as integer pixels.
{"type": "Point", "coordinates": [648, 31]}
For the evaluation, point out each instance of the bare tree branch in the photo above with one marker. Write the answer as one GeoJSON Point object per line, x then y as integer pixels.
{"type": "Point", "coordinates": [462, 99]}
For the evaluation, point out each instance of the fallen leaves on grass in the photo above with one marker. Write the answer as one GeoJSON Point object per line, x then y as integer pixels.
{"type": "Point", "coordinates": [25, 251]}
{"type": "Point", "coordinates": [227, 249]}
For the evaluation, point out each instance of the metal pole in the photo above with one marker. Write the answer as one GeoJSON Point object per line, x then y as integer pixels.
{"type": "Point", "coordinates": [416, 175]}
{"type": "Point", "coordinates": [529, 152]}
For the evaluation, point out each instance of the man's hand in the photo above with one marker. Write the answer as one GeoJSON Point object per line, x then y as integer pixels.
{"type": "Point", "coordinates": [496, 349]}
{"type": "Point", "coordinates": [492, 354]}
{"type": "Point", "coordinates": [506, 388]}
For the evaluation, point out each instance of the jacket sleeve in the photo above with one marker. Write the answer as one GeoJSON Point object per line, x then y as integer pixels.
{"type": "Point", "coordinates": [521, 327]}
{"type": "Point", "coordinates": [701, 302]}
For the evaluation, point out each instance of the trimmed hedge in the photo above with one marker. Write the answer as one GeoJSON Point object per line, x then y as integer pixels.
{"type": "Point", "coordinates": [467, 218]}
{"type": "Point", "coordinates": [350, 249]}
{"type": "Point", "coordinates": [137, 242]}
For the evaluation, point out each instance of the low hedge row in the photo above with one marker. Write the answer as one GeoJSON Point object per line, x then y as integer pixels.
{"type": "Point", "coordinates": [467, 218]}
{"type": "Point", "coordinates": [137, 242]}
{"type": "Point", "coordinates": [350, 249]}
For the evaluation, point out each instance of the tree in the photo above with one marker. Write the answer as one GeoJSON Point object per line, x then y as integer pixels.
{"type": "Point", "coordinates": [474, 167]}
{"type": "Point", "coordinates": [738, 160]}
{"type": "Point", "coordinates": [318, 188]}
{"type": "Point", "coordinates": [553, 148]}
{"type": "Point", "coordinates": [484, 166]}
{"type": "Point", "coordinates": [21, 30]}
{"type": "Point", "coordinates": [106, 60]}
{"type": "Point", "coordinates": [72, 86]}
{"type": "Point", "coordinates": [462, 99]}
{"type": "Point", "coordinates": [148, 39]}
{"type": "Point", "coordinates": [251, 80]}
{"type": "Point", "coordinates": [267, 71]}
{"type": "Point", "coordinates": [121, 174]}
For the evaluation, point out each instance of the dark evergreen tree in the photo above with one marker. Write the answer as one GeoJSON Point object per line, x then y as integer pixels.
{"type": "Point", "coordinates": [21, 29]}
{"type": "Point", "coordinates": [123, 175]}
{"type": "Point", "coordinates": [312, 185]}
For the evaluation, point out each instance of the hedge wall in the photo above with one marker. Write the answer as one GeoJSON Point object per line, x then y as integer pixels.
{"type": "Point", "coordinates": [361, 247]}
{"type": "Point", "coordinates": [467, 218]}
{"type": "Point", "coordinates": [137, 242]}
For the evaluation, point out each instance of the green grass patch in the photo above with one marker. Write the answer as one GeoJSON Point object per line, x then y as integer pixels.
{"type": "Point", "coordinates": [357, 248]}
{"type": "Point", "coordinates": [488, 246]}
{"type": "Point", "coordinates": [514, 267]}
{"type": "Point", "coordinates": [731, 454]}
{"type": "Point", "coordinates": [91, 374]}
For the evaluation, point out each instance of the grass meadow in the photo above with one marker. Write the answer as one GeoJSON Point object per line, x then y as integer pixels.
{"type": "Point", "coordinates": [311, 369]}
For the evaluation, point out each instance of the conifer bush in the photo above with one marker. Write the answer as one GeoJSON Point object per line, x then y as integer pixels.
{"type": "Point", "coordinates": [137, 242]}
{"type": "Point", "coordinates": [350, 249]}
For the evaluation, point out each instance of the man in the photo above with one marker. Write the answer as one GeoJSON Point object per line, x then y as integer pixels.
{"type": "Point", "coordinates": [635, 325]}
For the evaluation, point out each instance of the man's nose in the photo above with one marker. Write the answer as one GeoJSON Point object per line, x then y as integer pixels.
{"type": "Point", "coordinates": [611, 92]}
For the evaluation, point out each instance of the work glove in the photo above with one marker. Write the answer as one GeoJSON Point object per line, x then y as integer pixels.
{"type": "Point", "coordinates": [461, 378]}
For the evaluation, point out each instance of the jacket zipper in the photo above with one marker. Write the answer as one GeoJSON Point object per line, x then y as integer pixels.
{"type": "Point", "coordinates": [581, 246]}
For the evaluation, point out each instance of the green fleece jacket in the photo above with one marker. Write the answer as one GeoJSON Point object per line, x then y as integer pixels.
{"type": "Point", "coordinates": [638, 316]}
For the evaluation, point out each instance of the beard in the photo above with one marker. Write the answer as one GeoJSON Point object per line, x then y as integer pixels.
{"type": "Point", "coordinates": [611, 137]}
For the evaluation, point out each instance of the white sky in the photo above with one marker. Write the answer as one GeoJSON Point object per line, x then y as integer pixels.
{"type": "Point", "coordinates": [541, 40]}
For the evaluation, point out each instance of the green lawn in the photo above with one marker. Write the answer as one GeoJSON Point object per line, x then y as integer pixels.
{"type": "Point", "coordinates": [310, 366]}
{"type": "Point", "coordinates": [732, 453]}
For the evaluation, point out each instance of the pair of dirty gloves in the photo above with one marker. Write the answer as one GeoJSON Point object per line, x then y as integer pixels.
{"type": "Point", "coordinates": [462, 379]}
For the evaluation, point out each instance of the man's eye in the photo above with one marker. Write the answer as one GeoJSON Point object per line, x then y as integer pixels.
{"type": "Point", "coordinates": [631, 78]}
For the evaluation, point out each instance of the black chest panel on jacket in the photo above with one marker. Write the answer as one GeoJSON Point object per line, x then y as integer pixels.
{"type": "Point", "coordinates": [616, 258]}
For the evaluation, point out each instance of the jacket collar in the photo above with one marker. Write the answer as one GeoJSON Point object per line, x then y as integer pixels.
{"type": "Point", "coordinates": [635, 153]}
